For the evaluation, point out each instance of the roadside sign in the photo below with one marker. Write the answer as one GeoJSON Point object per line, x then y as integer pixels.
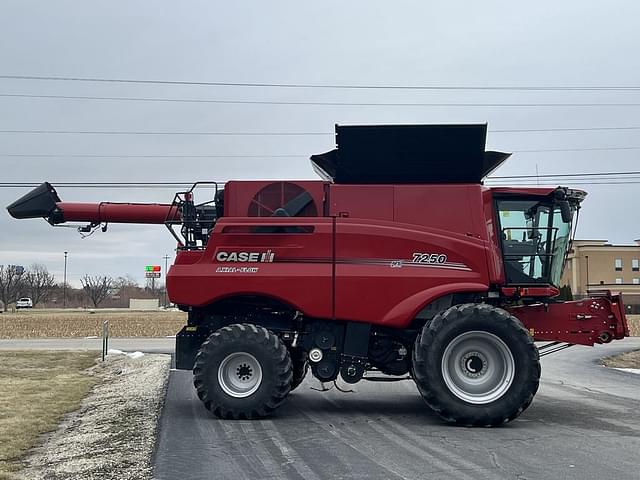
{"type": "Point", "coordinates": [152, 268]}
{"type": "Point", "coordinates": [152, 274]}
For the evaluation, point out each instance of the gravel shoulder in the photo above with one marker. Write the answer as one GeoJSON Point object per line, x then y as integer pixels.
{"type": "Point", "coordinates": [113, 434]}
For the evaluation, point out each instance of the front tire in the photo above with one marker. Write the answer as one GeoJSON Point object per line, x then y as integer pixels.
{"type": "Point", "coordinates": [476, 365]}
{"type": "Point", "coordinates": [242, 371]}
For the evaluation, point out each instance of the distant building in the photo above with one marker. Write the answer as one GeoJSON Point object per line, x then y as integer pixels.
{"type": "Point", "coordinates": [597, 264]}
{"type": "Point", "coordinates": [144, 304]}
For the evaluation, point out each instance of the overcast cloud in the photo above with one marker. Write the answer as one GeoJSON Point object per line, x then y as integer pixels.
{"type": "Point", "coordinates": [355, 42]}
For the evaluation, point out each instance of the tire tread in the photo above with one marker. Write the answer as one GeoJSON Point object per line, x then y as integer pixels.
{"type": "Point", "coordinates": [437, 399]}
{"type": "Point", "coordinates": [276, 351]}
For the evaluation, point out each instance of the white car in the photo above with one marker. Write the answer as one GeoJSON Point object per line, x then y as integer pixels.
{"type": "Point", "coordinates": [24, 303]}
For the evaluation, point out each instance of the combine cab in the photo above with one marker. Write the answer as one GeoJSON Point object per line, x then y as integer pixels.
{"type": "Point", "coordinates": [398, 264]}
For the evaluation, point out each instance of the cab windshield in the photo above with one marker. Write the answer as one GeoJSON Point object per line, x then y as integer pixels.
{"type": "Point", "coordinates": [534, 241]}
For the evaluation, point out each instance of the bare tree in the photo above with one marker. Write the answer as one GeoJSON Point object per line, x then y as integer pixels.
{"type": "Point", "coordinates": [11, 284]}
{"type": "Point", "coordinates": [125, 282]}
{"type": "Point", "coordinates": [151, 286]}
{"type": "Point", "coordinates": [97, 288]}
{"type": "Point", "coordinates": [38, 283]}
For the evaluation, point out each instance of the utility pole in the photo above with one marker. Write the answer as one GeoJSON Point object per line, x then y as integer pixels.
{"type": "Point", "coordinates": [166, 258]}
{"type": "Point", "coordinates": [64, 285]}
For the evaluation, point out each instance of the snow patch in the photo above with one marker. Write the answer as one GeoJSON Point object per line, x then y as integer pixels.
{"type": "Point", "coordinates": [134, 355]}
{"type": "Point", "coordinates": [630, 370]}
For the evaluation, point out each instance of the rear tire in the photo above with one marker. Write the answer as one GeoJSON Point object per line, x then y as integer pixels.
{"type": "Point", "coordinates": [476, 365]}
{"type": "Point", "coordinates": [242, 371]}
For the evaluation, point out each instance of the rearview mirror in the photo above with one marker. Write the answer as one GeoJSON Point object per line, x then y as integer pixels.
{"type": "Point", "coordinates": [565, 211]}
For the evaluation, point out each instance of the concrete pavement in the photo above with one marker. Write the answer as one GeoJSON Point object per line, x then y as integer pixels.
{"type": "Point", "coordinates": [149, 345]}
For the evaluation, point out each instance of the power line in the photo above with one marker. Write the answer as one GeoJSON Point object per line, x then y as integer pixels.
{"type": "Point", "coordinates": [185, 185]}
{"type": "Point", "coordinates": [569, 182]}
{"type": "Point", "coordinates": [108, 132]}
{"type": "Point", "coordinates": [588, 149]}
{"type": "Point", "coordinates": [105, 185]}
{"type": "Point", "coordinates": [285, 155]}
{"type": "Point", "coordinates": [555, 175]}
{"type": "Point", "coordinates": [91, 155]}
{"type": "Point", "coordinates": [121, 132]}
{"type": "Point", "coordinates": [571, 129]}
{"type": "Point", "coordinates": [587, 178]}
{"type": "Point", "coordinates": [81, 184]}
{"type": "Point", "coordinates": [328, 85]}
{"type": "Point", "coordinates": [569, 175]}
{"type": "Point", "coordinates": [313, 103]}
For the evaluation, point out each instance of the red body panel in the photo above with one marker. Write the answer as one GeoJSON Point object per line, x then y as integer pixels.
{"type": "Point", "coordinates": [376, 241]}
{"type": "Point", "coordinates": [302, 277]}
{"type": "Point", "coordinates": [494, 255]}
{"type": "Point", "coordinates": [375, 265]}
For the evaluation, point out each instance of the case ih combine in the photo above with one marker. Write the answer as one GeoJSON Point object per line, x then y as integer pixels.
{"type": "Point", "coordinates": [400, 262]}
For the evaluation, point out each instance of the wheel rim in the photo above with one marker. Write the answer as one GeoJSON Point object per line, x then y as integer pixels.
{"type": "Point", "coordinates": [478, 367]}
{"type": "Point", "coordinates": [240, 375]}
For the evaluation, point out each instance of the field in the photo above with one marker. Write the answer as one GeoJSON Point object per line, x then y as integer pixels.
{"type": "Point", "coordinates": [81, 323]}
{"type": "Point", "coordinates": [122, 323]}
{"type": "Point", "coordinates": [36, 390]}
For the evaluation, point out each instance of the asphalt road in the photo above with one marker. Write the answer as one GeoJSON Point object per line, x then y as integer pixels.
{"type": "Point", "coordinates": [583, 424]}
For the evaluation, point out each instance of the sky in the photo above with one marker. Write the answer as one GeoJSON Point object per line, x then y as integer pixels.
{"type": "Point", "coordinates": [453, 43]}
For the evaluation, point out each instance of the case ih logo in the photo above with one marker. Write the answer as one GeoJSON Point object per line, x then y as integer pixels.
{"type": "Point", "coordinates": [245, 257]}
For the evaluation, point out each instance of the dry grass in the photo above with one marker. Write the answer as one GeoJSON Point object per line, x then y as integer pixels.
{"type": "Point", "coordinates": [80, 323]}
{"type": "Point", "coordinates": [634, 325]}
{"type": "Point", "coordinates": [626, 360]}
{"type": "Point", "coordinates": [36, 390]}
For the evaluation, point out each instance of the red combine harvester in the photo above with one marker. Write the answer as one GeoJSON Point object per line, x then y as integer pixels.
{"type": "Point", "coordinates": [399, 264]}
